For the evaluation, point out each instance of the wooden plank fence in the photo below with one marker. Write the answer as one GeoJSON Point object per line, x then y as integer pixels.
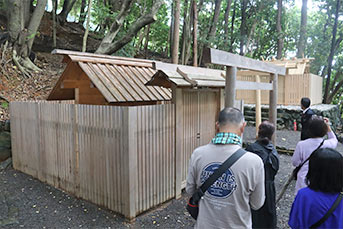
{"type": "Point", "coordinates": [291, 88]}
{"type": "Point", "coordinates": [122, 158]}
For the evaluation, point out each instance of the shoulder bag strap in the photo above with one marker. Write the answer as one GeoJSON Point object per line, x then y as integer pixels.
{"type": "Point", "coordinates": [218, 172]}
{"type": "Point", "coordinates": [331, 210]}
{"type": "Point", "coordinates": [301, 165]}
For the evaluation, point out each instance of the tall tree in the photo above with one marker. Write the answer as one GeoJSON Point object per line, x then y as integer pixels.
{"type": "Point", "coordinates": [22, 33]}
{"type": "Point", "coordinates": [226, 23]}
{"type": "Point", "coordinates": [303, 25]}
{"type": "Point", "coordinates": [233, 26]}
{"type": "Point", "coordinates": [109, 45]}
{"type": "Point", "coordinates": [334, 45]}
{"type": "Point", "coordinates": [84, 45]}
{"type": "Point", "coordinates": [176, 32]}
{"type": "Point", "coordinates": [82, 12]}
{"type": "Point", "coordinates": [67, 6]}
{"type": "Point", "coordinates": [279, 30]}
{"type": "Point", "coordinates": [243, 28]}
{"type": "Point", "coordinates": [214, 23]}
{"type": "Point", "coordinates": [195, 34]}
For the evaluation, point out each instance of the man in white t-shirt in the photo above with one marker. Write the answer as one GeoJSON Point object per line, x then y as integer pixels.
{"type": "Point", "coordinates": [227, 203]}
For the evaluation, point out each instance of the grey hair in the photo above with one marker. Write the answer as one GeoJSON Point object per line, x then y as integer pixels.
{"type": "Point", "coordinates": [230, 115]}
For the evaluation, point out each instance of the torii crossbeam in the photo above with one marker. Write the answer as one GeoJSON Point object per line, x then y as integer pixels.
{"type": "Point", "coordinates": [234, 61]}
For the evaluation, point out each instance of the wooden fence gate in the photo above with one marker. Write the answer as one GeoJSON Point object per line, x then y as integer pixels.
{"type": "Point", "coordinates": [199, 112]}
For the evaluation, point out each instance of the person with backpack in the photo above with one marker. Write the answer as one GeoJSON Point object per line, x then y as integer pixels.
{"type": "Point", "coordinates": [265, 217]}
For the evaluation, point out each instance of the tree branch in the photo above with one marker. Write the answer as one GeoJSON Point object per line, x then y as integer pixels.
{"type": "Point", "coordinates": [140, 23]}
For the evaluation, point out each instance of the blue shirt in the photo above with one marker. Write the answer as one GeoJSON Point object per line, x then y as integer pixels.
{"type": "Point", "coordinates": [310, 206]}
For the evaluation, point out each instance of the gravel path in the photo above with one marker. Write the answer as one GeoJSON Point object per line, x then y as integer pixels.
{"type": "Point", "coordinates": [28, 203]}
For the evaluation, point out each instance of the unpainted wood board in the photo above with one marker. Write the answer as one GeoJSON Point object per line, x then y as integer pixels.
{"type": "Point", "coordinates": [140, 82]}
{"type": "Point", "coordinates": [121, 92]}
{"type": "Point", "coordinates": [97, 82]}
{"type": "Point", "coordinates": [86, 54]}
{"type": "Point", "coordinates": [214, 56]}
{"type": "Point", "coordinates": [133, 81]}
{"type": "Point", "coordinates": [167, 91]}
{"type": "Point", "coordinates": [108, 61]}
{"type": "Point", "coordinates": [107, 82]}
{"type": "Point", "coordinates": [127, 88]}
{"type": "Point", "coordinates": [147, 74]}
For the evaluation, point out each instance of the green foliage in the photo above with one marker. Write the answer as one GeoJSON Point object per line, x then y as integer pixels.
{"type": "Point", "coordinates": [4, 104]}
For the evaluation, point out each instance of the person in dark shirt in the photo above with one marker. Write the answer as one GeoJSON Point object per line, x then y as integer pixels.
{"type": "Point", "coordinates": [305, 118]}
{"type": "Point", "coordinates": [265, 217]}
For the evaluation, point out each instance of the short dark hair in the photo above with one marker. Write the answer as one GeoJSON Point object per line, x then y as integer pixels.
{"type": "Point", "coordinates": [325, 171]}
{"type": "Point", "coordinates": [317, 127]}
{"type": "Point", "coordinates": [306, 102]}
{"type": "Point", "coordinates": [230, 115]}
{"type": "Point", "coordinates": [265, 132]}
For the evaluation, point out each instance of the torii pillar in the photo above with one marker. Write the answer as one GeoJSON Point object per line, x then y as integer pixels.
{"type": "Point", "coordinates": [234, 61]}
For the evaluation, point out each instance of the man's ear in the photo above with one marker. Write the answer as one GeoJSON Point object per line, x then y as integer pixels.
{"type": "Point", "coordinates": [217, 127]}
{"type": "Point", "coordinates": [243, 127]}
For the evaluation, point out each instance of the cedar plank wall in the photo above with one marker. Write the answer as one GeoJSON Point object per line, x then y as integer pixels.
{"type": "Point", "coordinates": [291, 88]}
{"type": "Point", "coordinates": [116, 157]}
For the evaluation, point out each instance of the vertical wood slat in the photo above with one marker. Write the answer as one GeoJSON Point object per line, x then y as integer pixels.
{"type": "Point", "coordinates": [83, 148]}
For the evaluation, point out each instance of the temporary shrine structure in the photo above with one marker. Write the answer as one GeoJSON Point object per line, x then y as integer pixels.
{"type": "Point", "coordinates": [115, 152]}
{"type": "Point", "coordinates": [107, 80]}
{"type": "Point", "coordinates": [296, 84]}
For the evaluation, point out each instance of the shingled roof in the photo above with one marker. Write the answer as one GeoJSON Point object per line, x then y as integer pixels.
{"type": "Point", "coordinates": [119, 79]}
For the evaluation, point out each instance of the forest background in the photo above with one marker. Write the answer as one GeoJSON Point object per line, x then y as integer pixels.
{"type": "Point", "coordinates": [177, 31]}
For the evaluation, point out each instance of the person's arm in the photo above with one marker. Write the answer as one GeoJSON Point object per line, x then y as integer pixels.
{"type": "Point", "coordinates": [257, 196]}
{"type": "Point", "coordinates": [191, 178]}
{"type": "Point", "coordinates": [296, 158]}
{"type": "Point", "coordinates": [332, 141]}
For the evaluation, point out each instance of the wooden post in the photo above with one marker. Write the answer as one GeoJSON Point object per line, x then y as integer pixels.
{"type": "Point", "coordinates": [178, 101]}
{"type": "Point", "coordinates": [258, 115]}
{"type": "Point", "coordinates": [130, 161]}
{"type": "Point", "coordinates": [230, 86]}
{"type": "Point", "coordinates": [222, 99]}
{"type": "Point", "coordinates": [273, 102]}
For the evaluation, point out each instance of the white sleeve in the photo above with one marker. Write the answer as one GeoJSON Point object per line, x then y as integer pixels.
{"type": "Point", "coordinates": [191, 177]}
{"type": "Point", "coordinates": [257, 196]}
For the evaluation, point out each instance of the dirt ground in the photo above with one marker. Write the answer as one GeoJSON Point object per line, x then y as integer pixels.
{"type": "Point", "coordinates": [28, 203]}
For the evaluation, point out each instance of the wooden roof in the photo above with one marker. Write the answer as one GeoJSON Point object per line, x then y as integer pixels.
{"type": "Point", "coordinates": [119, 79]}
{"type": "Point", "coordinates": [188, 76]}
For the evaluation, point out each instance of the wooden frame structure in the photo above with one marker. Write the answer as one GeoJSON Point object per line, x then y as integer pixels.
{"type": "Point", "coordinates": [232, 62]}
{"type": "Point", "coordinates": [126, 158]}
{"type": "Point", "coordinates": [296, 84]}
{"type": "Point", "coordinates": [107, 80]}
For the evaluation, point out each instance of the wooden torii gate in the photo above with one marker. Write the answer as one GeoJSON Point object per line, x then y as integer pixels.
{"type": "Point", "coordinates": [234, 61]}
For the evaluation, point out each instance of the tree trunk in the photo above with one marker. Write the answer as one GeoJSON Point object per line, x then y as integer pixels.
{"type": "Point", "coordinates": [195, 32]}
{"type": "Point", "coordinates": [54, 8]}
{"type": "Point", "coordinates": [279, 30]}
{"type": "Point", "coordinates": [226, 24]}
{"type": "Point", "coordinates": [84, 44]}
{"type": "Point", "coordinates": [332, 52]}
{"type": "Point", "coordinates": [22, 38]}
{"type": "Point", "coordinates": [115, 27]}
{"type": "Point", "coordinates": [67, 6]}
{"type": "Point", "coordinates": [185, 33]}
{"type": "Point", "coordinates": [171, 29]}
{"type": "Point", "coordinates": [213, 28]}
{"type": "Point", "coordinates": [243, 28]}
{"type": "Point", "coordinates": [107, 47]}
{"type": "Point", "coordinates": [176, 32]}
{"type": "Point", "coordinates": [233, 26]}
{"type": "Point", "coordinates": [82, 12]}
{"type": "Point", "coordinates": [146, 43]}
{"type": "Point", "coordinates": [303, 25]}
